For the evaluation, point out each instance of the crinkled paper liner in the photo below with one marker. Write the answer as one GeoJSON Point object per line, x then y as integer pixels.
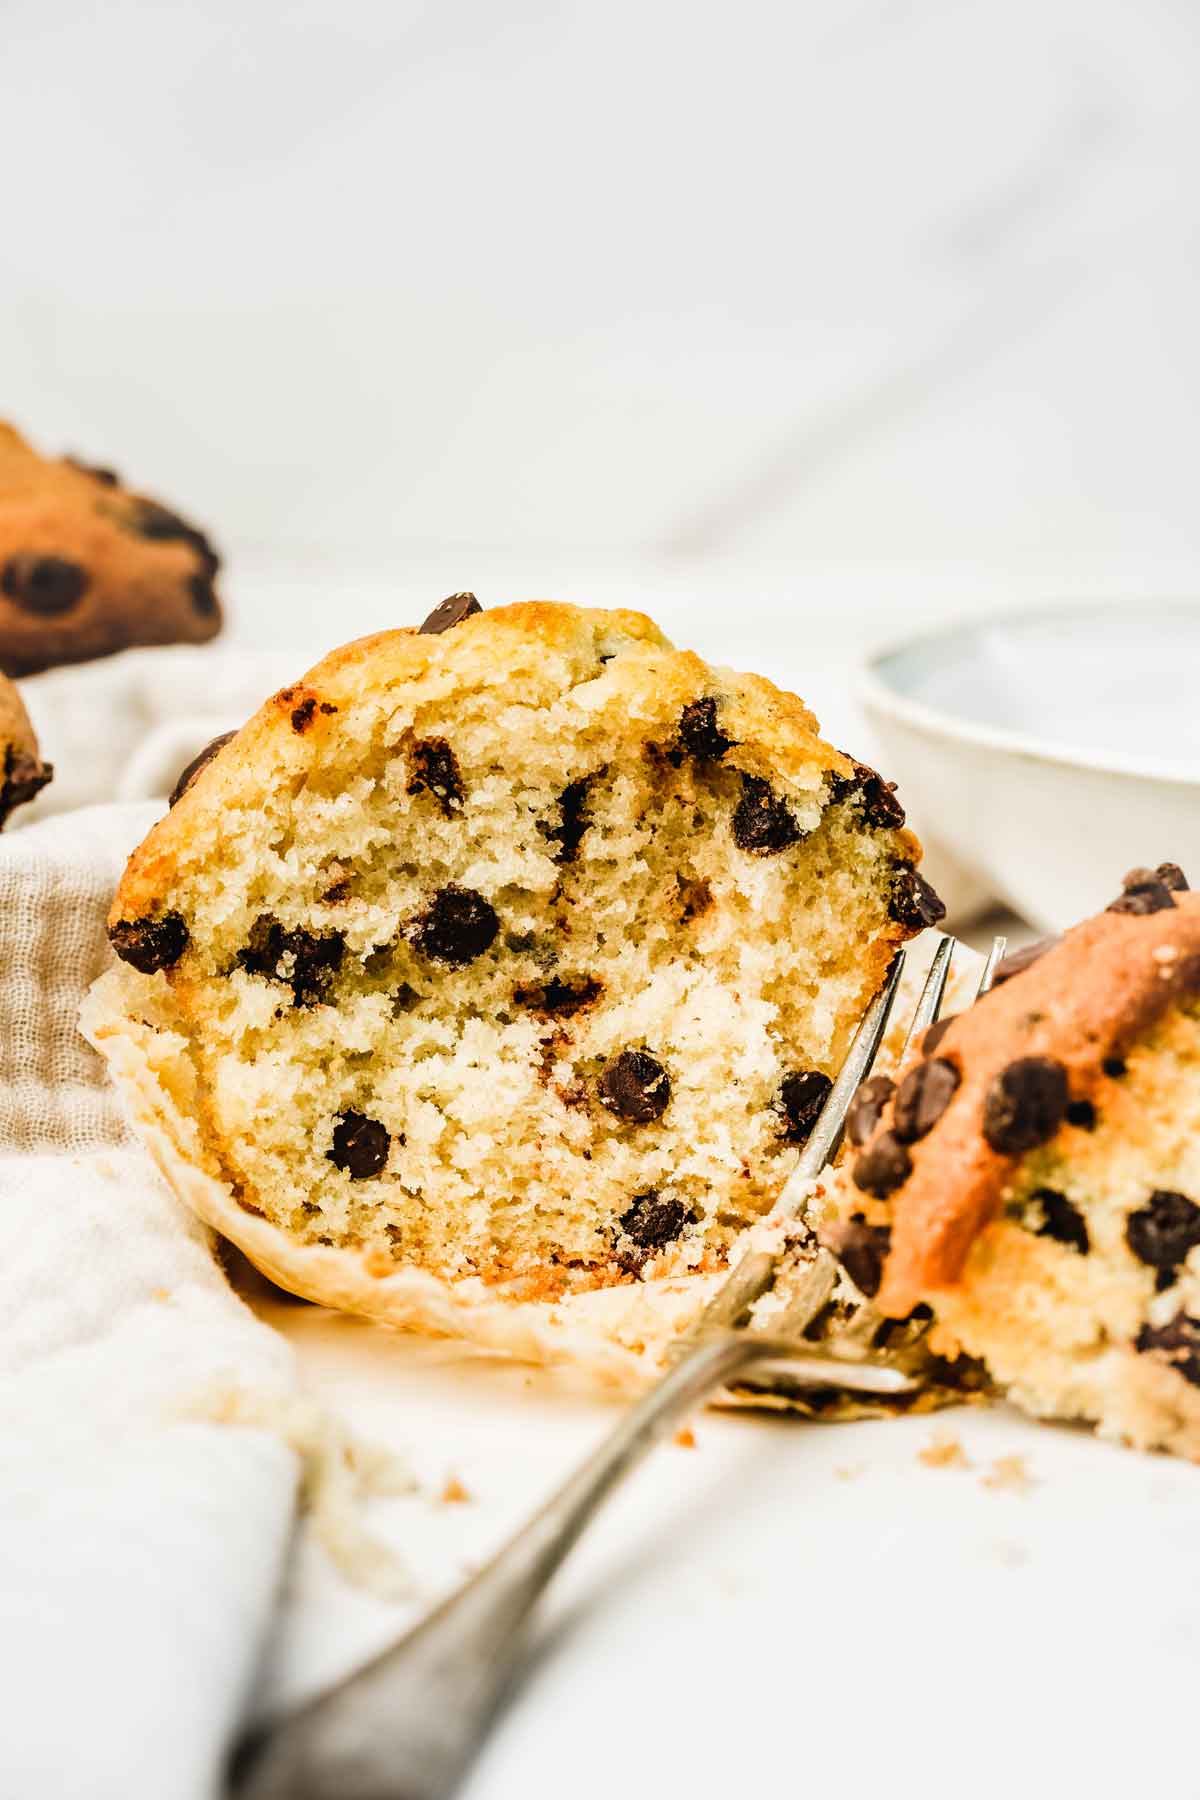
{"type": "Point", "coordinates": [616, 1335]}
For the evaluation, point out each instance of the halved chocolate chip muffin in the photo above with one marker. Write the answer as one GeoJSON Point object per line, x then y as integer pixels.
{"type": "Point", "coordinates": [86, 567]}
{"type": "Point", "coordinates": [501, 961]}
{"type": "Point", "coordinates": [1035, 1176]}
{"type": "Point", "coordinates": [23, 774]}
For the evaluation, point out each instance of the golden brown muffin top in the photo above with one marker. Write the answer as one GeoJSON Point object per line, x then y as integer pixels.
{"type": "Point", "coordinates": [1004, 1076]}
{"type": "Point", "coordinates": [87, 567]}
{"type": "Point", "coordinates": [506, 650]}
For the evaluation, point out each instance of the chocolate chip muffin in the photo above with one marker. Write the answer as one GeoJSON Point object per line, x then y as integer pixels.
{"type": "Point", "coordinates": [86, 567]}
{"type": "Point", "coordinates": [1035, 1176]}
{"type": "Point", "coordinates": [499, 963]}
{"type": "Point", "coordinates": [23, 774]}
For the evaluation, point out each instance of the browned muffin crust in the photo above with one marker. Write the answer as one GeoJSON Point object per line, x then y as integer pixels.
{"type": "Point", "coordinates": [88, 568]}
{"type": "Point", "coordinates": [1033, 1055]}
{"type": "Point", "coordinates": [23, 774]}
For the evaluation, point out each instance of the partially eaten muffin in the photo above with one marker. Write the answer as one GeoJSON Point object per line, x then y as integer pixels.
{"type": "Point", "coordinates": [509, 957]}
{"type": "Point", "coordinates": [1035, 1176]}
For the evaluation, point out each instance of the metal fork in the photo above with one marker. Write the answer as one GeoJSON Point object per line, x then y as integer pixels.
{"type": "Point", "coordinates": [408, 1725]}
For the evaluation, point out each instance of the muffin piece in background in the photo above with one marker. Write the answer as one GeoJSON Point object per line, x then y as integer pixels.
{"type": "Point", "coordinates": [23, 774]}
{"type": "Point", "coordinates": [502, 964]}
{"type": "Point", "coordinates": [1034, 1178]}
{"type": "Point", "coordinates": [87, 568]}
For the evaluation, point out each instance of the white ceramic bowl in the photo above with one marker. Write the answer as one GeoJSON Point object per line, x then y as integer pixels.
{"type": "Point", "coordinates": [1055, 749]}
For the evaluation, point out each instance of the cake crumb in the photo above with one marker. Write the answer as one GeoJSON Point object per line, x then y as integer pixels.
{"type": "Point", "coordinates": [1009, 1475]}
{"type": "Point", "coordinates": [850, 1471]}
{"type": "Point", "coordinates": [685, 1437]}
{"type": "Point", "coordinates": [454, 1493]}
{"type": "Point", "coordinates": [944, 1451]}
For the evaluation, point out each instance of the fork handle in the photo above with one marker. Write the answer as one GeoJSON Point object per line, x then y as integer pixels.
{"type": "Point", "coordinates": [407, 1726]}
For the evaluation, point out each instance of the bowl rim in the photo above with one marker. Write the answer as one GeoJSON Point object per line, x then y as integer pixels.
{"type": "Point", "coordinates": [878, 695]}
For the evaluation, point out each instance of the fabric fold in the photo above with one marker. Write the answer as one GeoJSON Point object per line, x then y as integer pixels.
{"type": "Point", "coordinates": [141, 1549]}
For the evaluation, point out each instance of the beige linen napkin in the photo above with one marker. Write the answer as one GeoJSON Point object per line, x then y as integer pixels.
{"type": "Point", "coordinates": [140, 1547]}
{"type": "Point", "coordinates": [122, 728]}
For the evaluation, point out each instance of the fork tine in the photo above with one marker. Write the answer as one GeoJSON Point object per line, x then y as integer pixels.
{"type": "Point", "coordinates": [999, 946]}
{"type": "Point", "coordinates": [867, 1321]}
{"type": "Point", "coordinates": [753, 1275]}
{"type": "Point", "coordinates": [930, 1004]}
{"type": "Point", "coordinates": [825, 1133]}
{"type": "Point", "coordinates": [860, 1332]}
{"type": "Point", "coordinates": [815, 1287]}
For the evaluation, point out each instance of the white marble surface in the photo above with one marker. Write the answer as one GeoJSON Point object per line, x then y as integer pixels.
{"type": "Point", "coordinates": [871, 281]}
{"type": "Point", "coordinates": [786, 1609]}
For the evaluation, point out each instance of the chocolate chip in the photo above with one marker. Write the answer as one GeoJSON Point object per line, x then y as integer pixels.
{"type": "Point", "coordinates": [912, 902]}
{"type": "Point", "coordinates": [636, 1087]}
{"type": "Point", "coordinates": [559, 999]}
{"type": "Point", "coordinates": [1178, 1341]}
{"type": "Point", "coordinates": [842, 786]}
{"type": "Point", "coordinates": [203, 595]}
{"type": "Point", "coordinates": [306, 960]}
{"type": "Point", "coordinates": [197, 763]}
{"type": "Point", "coordinates": [923, 1097]}
{"type": "Point", "coordinates": [883, 1167]}
{"type": "Point", "coordinates": [763, 823]}
{"type": "Point", "coordinates": [1168, 875]}
{"type": "Point", "coordinates": [1061, 1220]}
{"type": "Point", "coordinates": [150, 944]}
{"type": "Point", "coordinates": [1163, 1231]}
{"type": "Point", "coordinates": [106, 477]}
{"type": "Point", "coordinates": [459, 926]}
{"type": "Point", "coordinates": [866, 1108]}
{"type": "Point", "coordinates": [695, 895]}
{"type": "Point", "coordinates": [448, 613]}
{"type": "Point", "coordinates": [435, 768]}
{"type": "Point", "coordinates": [45, 585]}
{"type": "Point", "coordinates": [1082, 1114]}
{"type": "Point", "coordinates": [302, 715]}
{"type": "Point", "coordinates": [24, 776]}
{"type": "Point", "coordinates": [652, 1222]}
{"type": "Point", "coordinates": [159, 525]}
{"type": "Point", "coordinates": [862, 1251]}
{"type": "Point", "coordinates": [1114, 1067]}
{"type": "Point", "coordinates": [802, 1094]}
{"type": "Point", "coordinates": [1017, 961]}
{"type": "Point", "coordinates": [1025, 1104]}
{"type": "Point", "coordinates": [936, 1033]}
{"type": "Point", "coordinates": [360, 1145]}
{"type": "Point", "coordinates": [574, 821]}
{"type": "Point", "coordinates": [1144, 893]}
{"type": "Point", "coordinates": [880, 808]}
{"type": "Point", "coordinates": [699, 733]}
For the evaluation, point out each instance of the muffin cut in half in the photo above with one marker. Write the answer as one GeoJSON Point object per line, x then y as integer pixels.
{"type": "Point", "coordinates": [501, 962]}
{"type": "Point", "coordinates": [23, 774]}
{"type": "Point", "coordinates": [1035, 1176]}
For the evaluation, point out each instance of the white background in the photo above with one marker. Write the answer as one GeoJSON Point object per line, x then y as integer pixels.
{"type": "Point", "coordinates": [832, 301]}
